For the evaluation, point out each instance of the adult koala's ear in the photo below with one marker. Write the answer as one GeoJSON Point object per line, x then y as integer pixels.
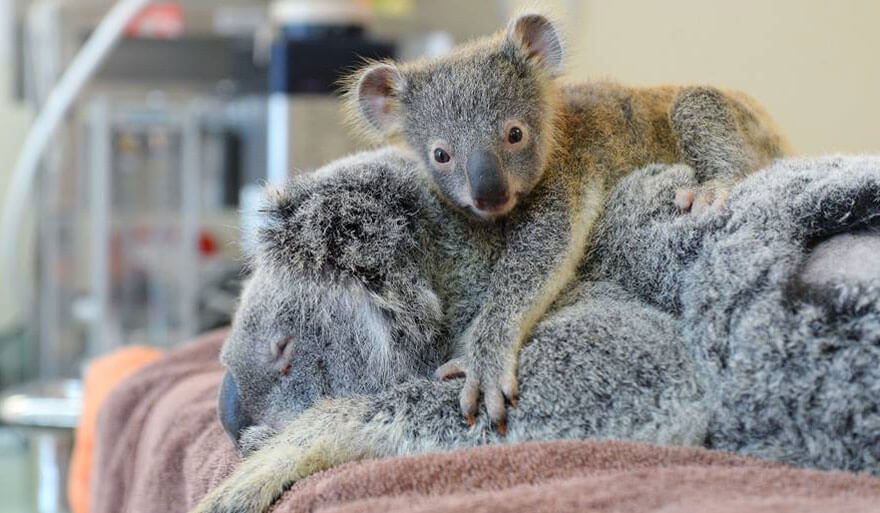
{"type": "Point", "coordinates": [536, 35]}
{"type": "Point", "coordinates": [279, 354]}
{"type": "Point", "coordinates": [373, 93]}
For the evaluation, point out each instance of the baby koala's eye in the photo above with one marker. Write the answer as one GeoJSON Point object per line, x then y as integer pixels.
{"type": "Point", "coordinates": [439, 150]}
{"type": "Point", "coordinates": [514, 135]}
{"type": "Point", "coordinates": [441, 156]}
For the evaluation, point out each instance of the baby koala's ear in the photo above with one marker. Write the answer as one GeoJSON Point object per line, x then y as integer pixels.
{"type": "Point", "coordinates": [538, 37]}
{"type": "Point", "coordinates": [373, 96]}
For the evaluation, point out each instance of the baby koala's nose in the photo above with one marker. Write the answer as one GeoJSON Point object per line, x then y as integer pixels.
{"type": "Point", "coordinates": [491, 204]}
{"type": "Point", "coordinates": [489, 187]}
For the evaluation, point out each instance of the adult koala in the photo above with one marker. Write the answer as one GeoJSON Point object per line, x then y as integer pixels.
{"type": "Point", "coordinates": [362, 278]}
{"type": "Point", "coordinates": [713, 330]}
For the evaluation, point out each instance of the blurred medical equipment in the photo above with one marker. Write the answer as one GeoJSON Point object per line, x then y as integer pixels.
{"type": "Point", "coordinates": [45, 413]}
{"type": "Point", "coordinates": [140, 178]}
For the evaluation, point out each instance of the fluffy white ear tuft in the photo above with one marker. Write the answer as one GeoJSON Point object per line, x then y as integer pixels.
{"type": "Point", "coordinates": [375, 93]}
{"type": "Point", "coordinates": [539, 38]}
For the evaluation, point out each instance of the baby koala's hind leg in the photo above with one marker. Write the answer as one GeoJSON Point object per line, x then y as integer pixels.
{"type": "Point", "coordinates": [712, 142]}
{"type": "Point", "coordinates": [709, 137]}
{"type": "Point", "coordinates": [710, 197]}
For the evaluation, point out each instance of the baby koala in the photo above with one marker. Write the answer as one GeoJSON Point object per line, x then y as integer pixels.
{"type": "Point", "coordinates": [505, 143]}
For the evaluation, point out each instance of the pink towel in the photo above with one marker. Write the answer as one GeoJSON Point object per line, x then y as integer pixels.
{"type": "Point", "coordinates": [161, 448]}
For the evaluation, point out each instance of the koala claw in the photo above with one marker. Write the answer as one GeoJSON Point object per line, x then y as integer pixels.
{"type": "Point", "coordinates": [510, 388]}
{"type": "Point", "coordinates": [496, 395]}
{"type": "Point", "coordinates": [453, 369]}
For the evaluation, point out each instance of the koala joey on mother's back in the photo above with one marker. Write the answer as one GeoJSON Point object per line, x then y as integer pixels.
{"type": "Point", "coordinates": [503, 140]}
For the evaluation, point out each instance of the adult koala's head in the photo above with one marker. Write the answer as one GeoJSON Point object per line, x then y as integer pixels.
{"type": "Point", "coordinates": [338, 302]}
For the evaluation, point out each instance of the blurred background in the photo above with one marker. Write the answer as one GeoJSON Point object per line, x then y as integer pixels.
{"type": "Point", "coordinates": [133, 228]}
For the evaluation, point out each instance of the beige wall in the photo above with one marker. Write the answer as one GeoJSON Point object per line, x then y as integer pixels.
{"type": "Point", "coordinates": [815, 64]}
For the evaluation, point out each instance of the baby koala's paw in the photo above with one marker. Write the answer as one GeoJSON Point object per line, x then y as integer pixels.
{"type": "Point", "coordinates": [497, 388]}
{"type": "Point", "coordinates": [497, 393]}
{"type": "Point", "coordinates": [700, 200]}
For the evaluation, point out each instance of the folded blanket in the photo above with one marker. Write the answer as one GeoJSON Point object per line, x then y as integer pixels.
{"type": "Point", "coordinates": [158, 440]}
{"type": "Point", "coordinates": [161, 449]}
{"type": "Point", "coordinates": [100, 378]}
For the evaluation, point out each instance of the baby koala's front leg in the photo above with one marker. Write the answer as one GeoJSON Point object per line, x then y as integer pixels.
{"type": "Point", "coordinates": [545, 242]}
{"type": "Point", "coordinates": [490, 367]}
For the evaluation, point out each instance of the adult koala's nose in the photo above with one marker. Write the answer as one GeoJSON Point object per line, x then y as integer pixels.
{"type": "Point", "coordinates": [490, 189]}
{"type": "Point", "coordinates": [233, 416]}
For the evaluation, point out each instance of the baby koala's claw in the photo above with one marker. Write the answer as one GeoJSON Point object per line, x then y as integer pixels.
{"type": "Point", "coordinates": [496, 406]}
{"type": "Point", "coordinates": [497, 396]}
{"type": "Point", "coordinates": [510, 388]}
{"type": "Point", "coordinates": [453, 369]}
{"type": "Point", "coordinates": [501, 426]}
{"type": "Point", "coordinates": [469, 399]}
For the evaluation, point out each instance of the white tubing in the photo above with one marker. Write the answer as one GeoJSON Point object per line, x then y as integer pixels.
{"type": "Point", "coordinates": [81, 69]}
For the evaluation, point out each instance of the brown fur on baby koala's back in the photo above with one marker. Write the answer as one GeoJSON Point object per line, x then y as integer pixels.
{"type": "Point", "coordinates": [610, 129]}
{"type": "Point", "coordinates": [607, 130]}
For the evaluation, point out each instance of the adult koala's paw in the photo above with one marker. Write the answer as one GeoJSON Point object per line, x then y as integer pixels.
{"type": "Point", "coordinates": [261, 480]}
{"type": "Point", "coordinates": [244, 494]}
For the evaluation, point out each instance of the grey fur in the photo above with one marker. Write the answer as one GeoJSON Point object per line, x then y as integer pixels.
{"type": "Point", "coordinates": [680, 329]}
{"type": "Point", "coordinates": [362, 272]}
{"type": "Point", "coordinates": [792, 368]}
{"type": "Point", "coordinates": [713, 154]}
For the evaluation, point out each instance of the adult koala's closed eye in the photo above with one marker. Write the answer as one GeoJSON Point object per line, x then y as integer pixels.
{"type": "Point", "coordinates": [359, 277]}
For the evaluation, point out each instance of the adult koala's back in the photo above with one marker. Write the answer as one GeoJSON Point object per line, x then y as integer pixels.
{"type": "Point", "coordinates": [360, 276]}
